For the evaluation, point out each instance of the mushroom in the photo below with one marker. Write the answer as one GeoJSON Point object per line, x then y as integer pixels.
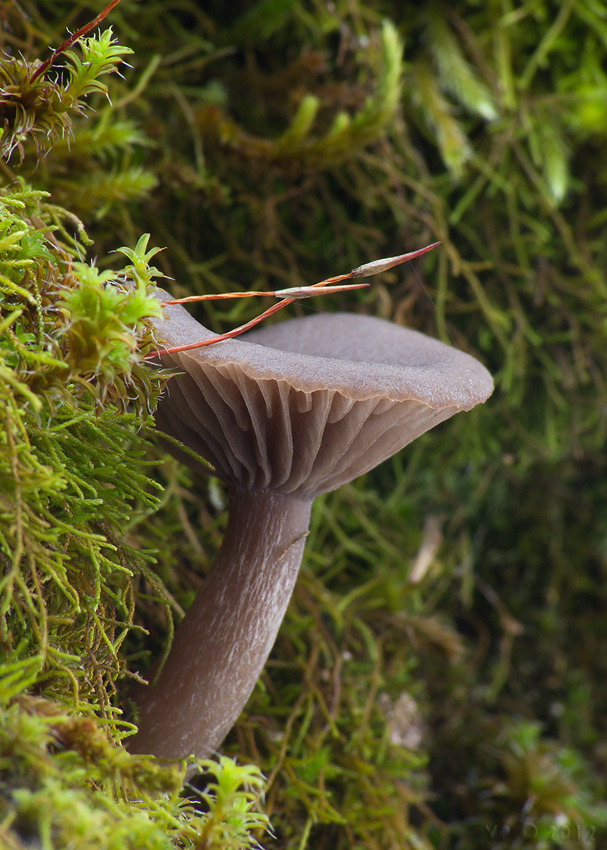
{"type": "Point", "coordinates": [290, 412]}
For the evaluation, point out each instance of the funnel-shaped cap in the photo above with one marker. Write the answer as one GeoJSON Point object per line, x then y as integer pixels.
{"type": "Point", "coordinates": [312, 403]}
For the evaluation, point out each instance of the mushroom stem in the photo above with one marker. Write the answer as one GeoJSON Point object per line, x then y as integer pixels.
{"type": "Point", "coordinates": [222, 644]}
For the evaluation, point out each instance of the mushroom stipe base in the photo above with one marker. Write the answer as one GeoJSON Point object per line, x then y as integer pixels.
{"type": "Point", "coordinates": [222, 644]}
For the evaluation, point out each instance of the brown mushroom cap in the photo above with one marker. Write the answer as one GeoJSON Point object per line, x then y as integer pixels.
{"type": "Point", "coordinates": [309, 404]}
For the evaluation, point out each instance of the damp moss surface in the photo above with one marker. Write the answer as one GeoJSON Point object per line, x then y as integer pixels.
{"type": "Point", "coordinates": [439, 680]}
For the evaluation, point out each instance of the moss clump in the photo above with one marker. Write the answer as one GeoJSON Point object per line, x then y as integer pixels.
{"type": "Point", "coordinates": [486, 133]}
{"type": "Point", "coordinates": [65, 784]}
{"type": "Point", "coordinates": [73, 392]}
{"type": "Point", "coordinates": [75, 413]}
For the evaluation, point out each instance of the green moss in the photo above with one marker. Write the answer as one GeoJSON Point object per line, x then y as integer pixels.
{"type": "Point", "coordinates": [75, 410]}
{"type": "Point", "coordinates": [296, 148]}
{"type": "Point", "coordinates": [287, 142]}
{"type": "Point", "coordinates": [73, 389]}
{"type": "Point", "coordinates": [65, 784]}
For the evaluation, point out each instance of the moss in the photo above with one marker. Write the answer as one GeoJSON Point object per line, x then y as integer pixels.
{"type": "Point", "coordinates": [286, 142]}
{"type": "Point", "coordinates": [65, 783]}
{"type": "Point", "coordinates": [75, 405]}
{"type": "Point", "coordinates": [72, 465]}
